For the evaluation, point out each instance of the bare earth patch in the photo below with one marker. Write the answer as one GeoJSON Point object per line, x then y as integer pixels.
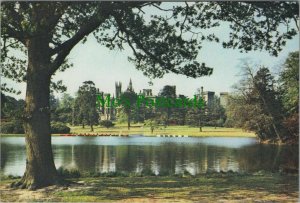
{"type": "Point", "coordinates": [17, 195]}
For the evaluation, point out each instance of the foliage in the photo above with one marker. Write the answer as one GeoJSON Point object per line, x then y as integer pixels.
{"type": "Point", "coordinates": [61, 110]}
{"type": "Point", "coordinates": [292, 124]}
{"type": "Point", "coordinates": [152, 123]}
{"type": "Point", "coordinates": [121, 116]}
{"type": "Point", "coordinates": [168, 92]}
{"type": "Point", "coordinates": [53, 102]}
{"type": "Point", "coordinates": [289, 91]}
{"type": "Point", "coordinates": [14, 127]}
{"type": "Point", "coordinates": [197, 116]}
{"type": "Point", "coordinates": [128, 104]}
{"type": "Point", "coordinates": [11, 108]}
{"type": "Point", "coordinates": [257, 106]}
{"type": "Point", "coordinates": [65, 109]}
{"type": "Point", "coordinates": [68, 173]}
{"type": "Point", "coordinates": [147, 172]}
{"type": "Point", "coordinates": [12, 112]}
{"type": "Point", "coordinates": [107, 123]}
{"type": "Point", "coordinates": [236, 111]}
{"type": "Point", "coordinates": [161, 43]}
{"type": "Point", "coordinates": [85, 105]}
{"type": "Point", "coordinates": [289, 82]}
{"type": "Point", "coordinates": [178, 115]}
{"type": "Point", "coordinates": [57, 127]}
{"type": "Point", "coordinates": [270, 102]}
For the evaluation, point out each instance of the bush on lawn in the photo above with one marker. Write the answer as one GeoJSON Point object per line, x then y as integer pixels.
{"type": "Point", "coordinates": [57, 127]}
{"type": "Point", "coordinates": [107, 123]}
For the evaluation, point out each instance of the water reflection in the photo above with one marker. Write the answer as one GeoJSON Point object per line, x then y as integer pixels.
{"type": "Point", "coordinates": [161, 155]}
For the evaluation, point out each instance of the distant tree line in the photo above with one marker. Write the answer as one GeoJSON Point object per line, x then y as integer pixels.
{"type": "Point", "coordinates": [82, 110]}
{"type": "Point", "coordinates": [12, 114]}
{"type": "Point", "coordinates": [261, 103]}
{"type": "Point", "coordinates": [85, 111]}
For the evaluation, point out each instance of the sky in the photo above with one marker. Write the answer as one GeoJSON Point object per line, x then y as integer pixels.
{"type": "Point", "coordinates": [91, 61]}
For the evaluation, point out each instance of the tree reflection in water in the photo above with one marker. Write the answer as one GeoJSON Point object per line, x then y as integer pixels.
{"type": "Point", "coordinates": [167, 157]}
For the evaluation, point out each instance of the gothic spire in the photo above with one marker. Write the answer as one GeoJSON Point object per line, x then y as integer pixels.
{"type": "Point", "coordinates": [130, 88]}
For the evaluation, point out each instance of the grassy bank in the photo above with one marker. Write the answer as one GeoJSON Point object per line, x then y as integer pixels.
{"type": "Point", "coordinates": [170, 130]}
{"type": "Point", "coordinates": [208, 188]}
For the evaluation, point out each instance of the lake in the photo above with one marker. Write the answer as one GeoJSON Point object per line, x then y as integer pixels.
{"type": "Point", "coordinates": [159, 154]}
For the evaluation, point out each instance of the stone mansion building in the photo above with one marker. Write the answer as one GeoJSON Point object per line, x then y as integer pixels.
{"type": "Point", "coordinates": [110, 113]}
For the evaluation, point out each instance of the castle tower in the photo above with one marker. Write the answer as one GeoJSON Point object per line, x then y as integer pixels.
{"type": "Point", "coordinates": [224, 99]}
{"type": "Point", "coordinates": [147, 92]}
{"type": "Point", "coordinates": [118, 89]}
{"type": "Point", "coordinates": [208, 96]}
{"type": "Point", "coordinates": [130, 88]}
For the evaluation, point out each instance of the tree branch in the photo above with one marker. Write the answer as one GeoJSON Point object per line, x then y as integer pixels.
{"type": "Point", "coordinates": [11, 33]}
{"type": "Point", "coordinates": [141, 46]}
{"type": "Point", "coordinates": [64, 49]}
{"type": "Point", "coordinates": [161, 8]}
{"type": "Point", "coordinates": [186, 15]}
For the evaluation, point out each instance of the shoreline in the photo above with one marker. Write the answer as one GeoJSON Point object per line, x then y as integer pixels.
{"type": "Point", "coordinates": [140, 130]}
{"type": "Point", "coordinates": [264, 142]}
{"type": "Point", "coordinates": [134, 135]}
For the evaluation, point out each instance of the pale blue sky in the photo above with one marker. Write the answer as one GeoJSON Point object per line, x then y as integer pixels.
{"type": "Point", "coordinates": [104, 67]}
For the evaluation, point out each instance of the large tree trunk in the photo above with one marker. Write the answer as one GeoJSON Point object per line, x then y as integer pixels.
{"type": "Point", "coordinates": [40, 168]}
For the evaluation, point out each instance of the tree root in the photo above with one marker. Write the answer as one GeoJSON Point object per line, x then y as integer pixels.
{"type": "Point", "coordinates": [31, 184]}
{"type": "Point", "coordinates": [25, 184]}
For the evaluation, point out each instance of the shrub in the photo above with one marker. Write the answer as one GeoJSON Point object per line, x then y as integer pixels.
{"type": "Point", "coordinates": [292, 124]}
{"type": "Point", "coordinates": [229, 123]}
{"type": "Point", "coordinates": [57, 127]}
{"type": "Point", "coordinates": [186, 173]}
{"type": "Point", "coordinates": [165, 173]}
{"type": "Point", "coordinates": [220, 122]}
{"type": "Point", "coordinates": [147, 172]}
{"type": "Point", "coordinates": [114, 174]}
{"type": "Point", "coordinates": [73, 173]}
{"type": "Point", "coordinates": [107, 123]}
{"type": "Point", "coordinates": [15, 127]}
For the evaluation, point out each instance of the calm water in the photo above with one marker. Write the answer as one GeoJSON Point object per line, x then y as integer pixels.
{"type": "Point", "coordinates": [133, 154]}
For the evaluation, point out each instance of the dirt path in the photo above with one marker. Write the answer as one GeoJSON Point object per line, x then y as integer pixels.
{"type": "Point", "coordinates": [9, 194]}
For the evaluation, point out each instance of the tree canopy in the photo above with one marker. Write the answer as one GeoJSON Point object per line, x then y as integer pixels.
{"type": "Point", "coordinates": [163, 37]}
{"type": "Point", "coordinates": [289, 79]}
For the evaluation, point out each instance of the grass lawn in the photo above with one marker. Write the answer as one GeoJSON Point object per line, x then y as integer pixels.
{"type": "Point", "coordinates": [203, 188]}
{"type": "Point", "coordinates": [170, 130]}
